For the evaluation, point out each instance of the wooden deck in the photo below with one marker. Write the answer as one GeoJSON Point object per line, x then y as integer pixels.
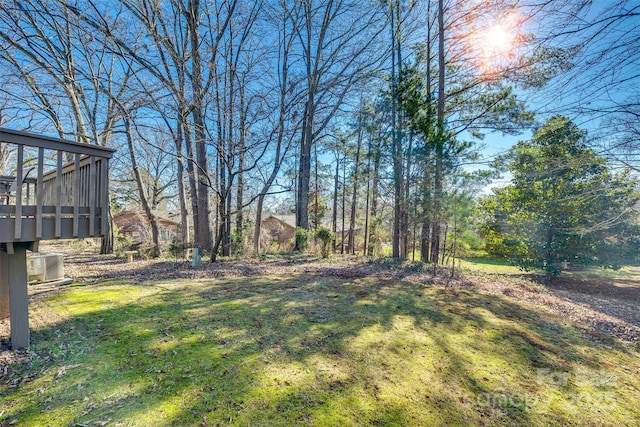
{"type": "Point", "coordinates": [50, 189]}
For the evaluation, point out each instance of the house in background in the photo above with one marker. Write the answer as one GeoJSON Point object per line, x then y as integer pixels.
{"type": "Point", "coordinates": [136, 225]}
{"type": "Point", "coordinates": [280, 230]}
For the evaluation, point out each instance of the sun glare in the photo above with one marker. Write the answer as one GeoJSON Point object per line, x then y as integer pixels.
{"type": "Point", "coordinates": [497, 41]}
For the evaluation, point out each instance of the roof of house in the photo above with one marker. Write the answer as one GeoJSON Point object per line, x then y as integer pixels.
{"type": "Point", "coordinates": [130, 220]}
{"type": "Point", "coordinates": [287, 219]}
{"type": "Point", "coordinates": [290, 219]}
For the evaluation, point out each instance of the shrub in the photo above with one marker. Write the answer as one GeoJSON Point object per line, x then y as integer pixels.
{"type": "Point", "coordinates": [325, 236]}
{"type": "Point", "coordinates": [176, 249]}
{"type": "Point", "coordinates": [302, 239]}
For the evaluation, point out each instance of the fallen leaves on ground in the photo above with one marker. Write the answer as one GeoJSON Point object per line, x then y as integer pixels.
{"type": "Point", "coordinates": [600, 316]}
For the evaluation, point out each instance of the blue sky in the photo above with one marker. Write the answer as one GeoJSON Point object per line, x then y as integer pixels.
{"type": "Point", "coordinates": [604, 84]}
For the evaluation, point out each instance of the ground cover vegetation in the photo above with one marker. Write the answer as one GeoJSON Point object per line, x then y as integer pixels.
{"type": "Point", "coordinates": [310, 342]}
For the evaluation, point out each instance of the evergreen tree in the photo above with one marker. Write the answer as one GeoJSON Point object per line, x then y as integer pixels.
{"type": "Point", "coordinates": [563, 204]}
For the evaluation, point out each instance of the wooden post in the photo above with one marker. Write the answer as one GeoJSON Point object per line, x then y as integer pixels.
{"type": "Point", "coordinates": [58, 193]}
{"type": "Point", "coordinates": [4, 285]}
{"type": "Point", "coordinates": [39, 192]}
{"type": "Point", "coordinates": [130, 255]}
{"type": "Point", "coordinates": [18, 297]}
{"type": "Point", "coordinates": [92, 196]}
{"type": "Point", "coordinates": [76, 194]}
{"type": "Point", "coordinates": [19, 171]}
{"type": "Point", "coordinates": [104, 191]}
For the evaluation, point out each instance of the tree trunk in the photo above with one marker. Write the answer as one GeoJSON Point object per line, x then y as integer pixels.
{"type": "Point", "coordinates": [226, 236]}
{"type": "Point", "coordinates": [202, 186]}
{"type": "Point", "coordinates": [106, 243]}
{"type": "Point", "coordinates": [425, 234]}
{"type": "Point", "coordinates": [396, 137]}
{"type": "Point", "coordinates": [258, 227]}
{"type": "Point", "coordinates": [375, 191]}
{"type": "Point", "coordinates": [216, 246]}
{"type": "Point", "coordinates": [405, 211]}
{"type": "Point", "coordinates": [304, 171]}
{"type": "Point", "coordinates": [354, 194]}
{"type": "Point", "coordinates": [438, 185]}
{"type": "Point", "coordinates": [367, 200]}
{"type": "Point", "coordinates": [143, 197]}
{"type": "Point", "coordinates": [241, 160]}
{"type": "Point", "coordinates": [184, 234]}
{"type": "Point", "coordinates": [426, 228]}
{"type": "Point", "coordinates": [344, 204]}
{"type": "Point", "coordinates": [191, 177]}
{"type": "Point", "coordinates": [334, 219]}
{"type": "Point", "coordinates": [397, 185]}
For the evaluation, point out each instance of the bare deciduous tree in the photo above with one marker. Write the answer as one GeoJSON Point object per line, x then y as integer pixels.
{"type": "Point", "coordinates": [336, 41]}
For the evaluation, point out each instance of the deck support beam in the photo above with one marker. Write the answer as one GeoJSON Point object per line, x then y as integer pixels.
{"type": "Point", "coordinates": [4, 285]}
{"type": "Point", "coordinates": [14, 294]}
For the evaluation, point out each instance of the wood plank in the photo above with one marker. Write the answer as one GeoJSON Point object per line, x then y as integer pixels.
{"type": "Point", "coordinates": [31, 211]}
{"type": "Point", "coordinates": [92, 196]}
{"type": "Point", "coordinates": [18, 298]}
{"type": "Point", "coordinates": [18, 201]}
{"type": "Point", "coordinates": [49, 224]}
{"type": "Point", "coordinates": [4, 285]}
{"type": "Point", "coordinates": [58, 194]}
{"type": "Point", "coordinates": [104, 190]}
{"type": "Point", "coordinates": [41, 141]}
{"type": "Point", "coordinates": [76, 195]}
{"type": "Point", "coordinates": [39, 197]}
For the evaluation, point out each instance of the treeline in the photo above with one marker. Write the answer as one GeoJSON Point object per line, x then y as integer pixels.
{"type": "Point", "coordinates": [365, 109]}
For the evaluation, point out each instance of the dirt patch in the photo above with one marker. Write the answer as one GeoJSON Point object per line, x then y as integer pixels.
{"type": "Point", "coordinates": [625, 290]}
{"type": "Point", "coordinates": [600, 316]}
{"type": "Point", "coordinates": [608, 305]}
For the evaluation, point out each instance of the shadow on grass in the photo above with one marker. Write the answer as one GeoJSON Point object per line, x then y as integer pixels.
{"type": "Point", "coordinates": [291, 350]}
{"type": "Point", "coordinates": [613, 297]}
{"type": "Point", "coordinates": [624, 289]}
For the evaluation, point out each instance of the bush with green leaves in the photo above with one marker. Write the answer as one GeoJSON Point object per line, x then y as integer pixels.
{"type": "Point", "coordinates": [176, 249]}
{"type": "Point", "coordinates": [302, 239]}
{"type": "Point", "coordinates": [325, 236]}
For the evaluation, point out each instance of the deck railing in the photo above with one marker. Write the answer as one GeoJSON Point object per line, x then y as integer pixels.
{"type": "Point", "coordinates": [59, 189]}
{"type": "Point", "coordinates": [56, 189]}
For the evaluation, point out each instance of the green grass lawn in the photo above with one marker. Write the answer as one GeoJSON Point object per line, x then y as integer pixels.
{"type": "Point", "coordinates": [625, 273]}
{"type": "Point", "coordinates": [305, 350]}
{"type": "Point", "coordinates": [499, 266]}
{"type": "Point", "coordinates": [489, 265]}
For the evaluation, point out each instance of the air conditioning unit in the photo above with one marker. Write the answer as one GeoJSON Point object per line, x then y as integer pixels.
{"type": "Point", "coordinates": [36, 268]}
{"type": "Point", "coordinates": [45, 267]}
{"type": "Point", "coordinates": [54, 267]}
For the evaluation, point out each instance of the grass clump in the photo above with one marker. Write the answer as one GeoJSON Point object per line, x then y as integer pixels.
{"type": "Point", "coordinates": [308, 350]}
